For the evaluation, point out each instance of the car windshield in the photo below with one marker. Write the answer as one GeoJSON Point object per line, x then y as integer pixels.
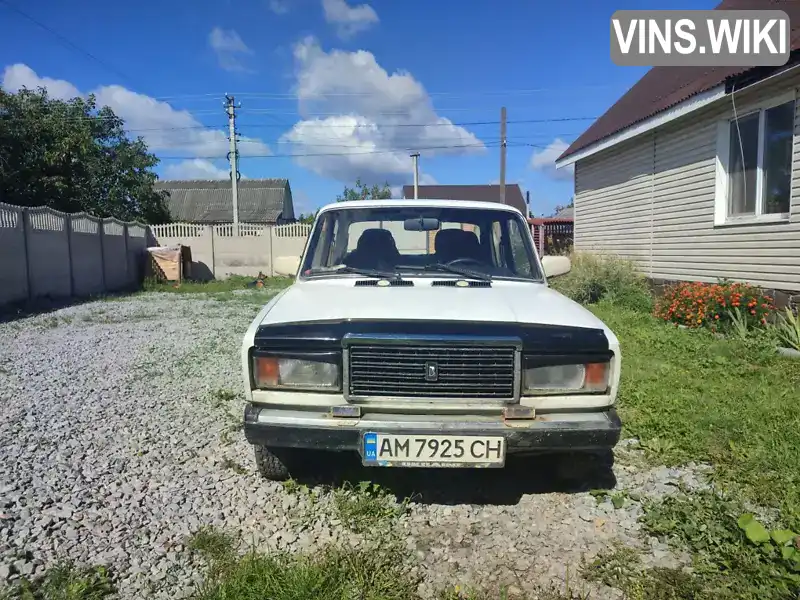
{"type": "Point", "coordinates": [399, 241]}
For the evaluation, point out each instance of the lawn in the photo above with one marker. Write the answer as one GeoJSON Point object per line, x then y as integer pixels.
{"type": "Point", "coordinates": [691, 396]}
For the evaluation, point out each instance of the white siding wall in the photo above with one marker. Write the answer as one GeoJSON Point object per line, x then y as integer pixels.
{"type": "Point", "coordinates": [651, 199]}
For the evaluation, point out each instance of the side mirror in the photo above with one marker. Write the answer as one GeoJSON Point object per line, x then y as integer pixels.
{"type": "Point", "coordinates": [286, 265]}
{"type": "Point", "coordinates": [556, 265]}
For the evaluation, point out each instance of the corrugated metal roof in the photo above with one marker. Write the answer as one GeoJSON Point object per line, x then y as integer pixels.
{"type": "Point", "coordinates": [203, 201]}
{"type": "Point", "coordinates": [662, 88]}
{"type": "Point", "coordinates": [480, 193]}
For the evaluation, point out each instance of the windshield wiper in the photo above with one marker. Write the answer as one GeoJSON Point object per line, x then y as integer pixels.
{"type": "Point", "coordinates": [450, 269]}
{"type": "Point", "coordinates": [378, 273]}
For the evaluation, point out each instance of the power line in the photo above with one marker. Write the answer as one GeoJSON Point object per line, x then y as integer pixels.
{"type": "Point", "coordinates": [301, 155]}
{"type": "Point", "coordinates": [65, 40]}
{"type": "Point", "coordinates": [382, 125]}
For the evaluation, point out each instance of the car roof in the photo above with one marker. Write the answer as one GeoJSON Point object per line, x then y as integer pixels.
{"type": "Point", "coordinates": [419, 203]}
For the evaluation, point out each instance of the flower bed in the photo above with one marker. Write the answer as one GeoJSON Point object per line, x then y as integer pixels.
{"type": "Point", "coordinates": [715, 306]}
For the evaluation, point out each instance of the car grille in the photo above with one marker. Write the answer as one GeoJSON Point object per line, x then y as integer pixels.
{"type": "Point", "coordinates": [460, 371]}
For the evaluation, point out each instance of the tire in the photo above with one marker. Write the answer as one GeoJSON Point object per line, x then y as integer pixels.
{"type": "Point", "coordinates": [271, 463]}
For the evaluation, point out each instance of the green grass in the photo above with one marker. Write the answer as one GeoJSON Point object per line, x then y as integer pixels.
{"type": "Point", "coordinates": [366, 507]}
{"type": "Point", "coordinates": [64, 581]}
{"type": "Point", "coordinates": [694, 397]}
{"type": "Point", "coordinates": [731, 402]}
{"type": "Point", "coordinates": [379, 572]}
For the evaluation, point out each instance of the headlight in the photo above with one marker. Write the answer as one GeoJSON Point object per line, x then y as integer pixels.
{"type": "Point", "coordinates": [585, 378]}
{"type": "Point", "coordinates": [295, 373]}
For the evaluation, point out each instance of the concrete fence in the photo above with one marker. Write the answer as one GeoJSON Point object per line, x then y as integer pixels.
{"type": "Point", "coordinates": [217, 252]}
{"type": "Point", "coordinates": [47, 253]}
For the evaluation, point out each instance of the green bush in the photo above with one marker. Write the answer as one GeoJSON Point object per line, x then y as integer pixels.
{"type": "Point", "coordinates": [596, 277]}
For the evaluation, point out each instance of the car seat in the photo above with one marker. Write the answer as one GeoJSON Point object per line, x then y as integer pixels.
{"type": "Point", "coordinates": [452, 244]}
{"type": "Point", "coordinates": [375, 249]}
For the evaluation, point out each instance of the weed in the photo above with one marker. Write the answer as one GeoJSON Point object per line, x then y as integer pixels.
{"type": "Point", "coordinates": [50, 323]}
{"type": "Point", "coordinates": [212, 544]}
{"type": "Point", "coordinates": [366, 507]}
{"type": "Point", "coordinates": [229, 463]}
{"type": "Point", "coordinates": [221, 397]}
{"type": "Point", "coordinates": [235, 425]}
{"type": "Point", "coordinates": [595, 277]}
{"type": "Point", "coordinates": [622, 568]}
{"type": "Point", "coordinates": [215, 286]}
{"type": "Point", "coordinates": [332, 574]}
{"type": "Point", "coordinates": [65, 581]}
{"type": "Point", "coordinates": [788, 329]}
{"type": "Point", "coordinates": [735, 556]}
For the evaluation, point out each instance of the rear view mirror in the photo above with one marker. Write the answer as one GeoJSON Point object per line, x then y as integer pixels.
{"type": "Point", "coordinates": [556, 265]}
{"type": "Point", "coordinates": [421, 224]}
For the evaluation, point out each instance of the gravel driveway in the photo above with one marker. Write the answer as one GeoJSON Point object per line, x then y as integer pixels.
{"type": "Point", "coordinates": [119, 438]}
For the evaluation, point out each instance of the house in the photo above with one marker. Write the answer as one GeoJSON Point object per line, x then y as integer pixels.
{"type": "Point", "coordinates": [564, 213]}
{"type": "Point", "coordinates": [261, 201]}
{"type": "Point", "coordinates": [695, 172]}
{"type": "Point", "coordinates": [484, 193]}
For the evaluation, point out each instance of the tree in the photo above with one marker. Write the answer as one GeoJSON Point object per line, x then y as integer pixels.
{"type": "Point", "coordinates": [361, 191]}
{"type": "Point", "coordinates": [307, 218]}
{"type": "Point", "coordinates": [72, 156]}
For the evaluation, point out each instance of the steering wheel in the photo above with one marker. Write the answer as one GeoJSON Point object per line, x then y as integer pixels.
{"type": "Point", "coordinates": [466, 259]}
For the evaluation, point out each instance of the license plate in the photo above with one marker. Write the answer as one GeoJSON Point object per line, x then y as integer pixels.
{"type": "Point", "coordinates": [392, 450]}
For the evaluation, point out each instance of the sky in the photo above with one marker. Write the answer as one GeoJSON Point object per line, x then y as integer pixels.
{"type": "Point", "coordinates": [335, 90]}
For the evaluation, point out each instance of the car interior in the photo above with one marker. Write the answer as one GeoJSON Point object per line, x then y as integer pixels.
{"type": "Point", "coordinates": [377, 249]}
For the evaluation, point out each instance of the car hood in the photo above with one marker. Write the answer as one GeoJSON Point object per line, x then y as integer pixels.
{"type": "Point", "coordinates": [504, 302]}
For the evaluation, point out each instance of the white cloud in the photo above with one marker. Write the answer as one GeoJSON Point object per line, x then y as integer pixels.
{"type": "Point", "coordinates": [545, 160]}
{"type": "Point", "coordinates": [18, 76]}
{"type": "Point", "coordinates": [376, 121]}
{"type": "Point", "coordinates": [279, 7]}
{"type": "Point", "coordinates": [163, 127]}
{"type": "Point", "coordinates": [349, 20]}
{"type": "Point", "coordinates": [195, 168]}
{"type": "Point", "coordinates": [229, 48]}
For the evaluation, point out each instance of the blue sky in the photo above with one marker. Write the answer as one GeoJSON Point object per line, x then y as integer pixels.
{"type": "Point", "coordinates": [331, 90]}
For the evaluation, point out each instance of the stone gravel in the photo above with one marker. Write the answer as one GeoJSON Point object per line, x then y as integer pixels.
{"type": "Point", "coordinates": [116, 445]}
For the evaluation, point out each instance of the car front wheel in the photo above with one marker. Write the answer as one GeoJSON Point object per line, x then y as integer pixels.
{"type": "Point", "coordinates": [272, 463]}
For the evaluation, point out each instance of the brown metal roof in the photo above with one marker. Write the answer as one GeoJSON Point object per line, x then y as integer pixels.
{"type": "Point", "coordinates": [481, 193]}
{"type": "Point", "coordinates": [662, 88]}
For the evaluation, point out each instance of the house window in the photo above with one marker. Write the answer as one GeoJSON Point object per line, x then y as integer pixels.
{"type": "Point", "coordinates": [759, 163]}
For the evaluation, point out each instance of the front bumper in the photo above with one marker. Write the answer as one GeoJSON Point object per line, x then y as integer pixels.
{"type": "Point", "coordinates": [277, 427]}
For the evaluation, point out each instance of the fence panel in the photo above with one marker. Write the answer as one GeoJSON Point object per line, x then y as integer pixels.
{"type": "Point", "coordinates": [13, 264]}
{"type": "Point", "coordinates": [48, 253]}
{"type": "Point", "coordinates": [115, 254]}
{"type": "Point", "coordinates": [137, 249]}
{"type": "Point", "coordinates": [87, 255]}
{"type": "Point", "coordinates": [245, 254]}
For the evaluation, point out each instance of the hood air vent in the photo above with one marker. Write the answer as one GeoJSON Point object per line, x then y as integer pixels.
{"type": "Point", "coordinates": [460, 283]}
{"type": "Point", "coordinates": [384, 283]}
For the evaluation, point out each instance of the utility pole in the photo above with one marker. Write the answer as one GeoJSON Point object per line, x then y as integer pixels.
{"type": "Point", "coordinates": [233, 157]}
{"type": "Point", "coordinates": [415, 158]}
{"type": "Point", "coordinates": [503, 155]}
